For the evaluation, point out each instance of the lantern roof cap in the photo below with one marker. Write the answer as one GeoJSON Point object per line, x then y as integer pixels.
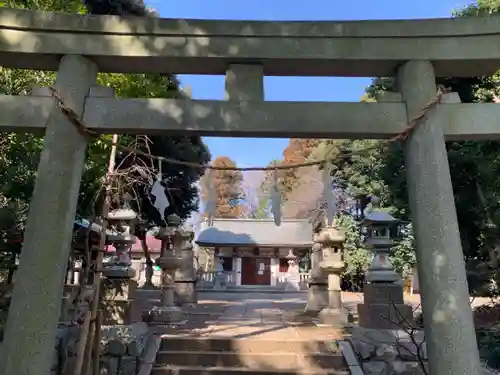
{"type": "Point", "coordinates": [174, 220]}
{"type": "Point", "coordinates": [377, 216]}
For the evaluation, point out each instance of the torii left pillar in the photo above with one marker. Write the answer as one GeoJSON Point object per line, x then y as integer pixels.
{"type": "Point", "coordinates": [30, 335]}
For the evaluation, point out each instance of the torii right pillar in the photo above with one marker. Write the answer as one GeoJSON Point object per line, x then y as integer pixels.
{"type": "Point", "coordinates": [449, 327]}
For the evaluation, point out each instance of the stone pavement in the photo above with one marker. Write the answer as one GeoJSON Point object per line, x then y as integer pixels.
{"type": "Point", "coordinates": [256, 315]}
{"type": "Point", "coordinates": [261, 316]}
{"type": "Point", "coordinates": [249, 315]}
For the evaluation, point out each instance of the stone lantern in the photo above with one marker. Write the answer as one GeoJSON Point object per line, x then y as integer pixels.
{"type": "Point", "coordinates": [383, 306]}
{"type": "Point", "coordinates": [332, 265]}
{"type": "Point", "coordinates": [378, 226]}
{"type": "Point", "coordinates": [293, 273]}
{"type": "Point", "coordinates": [120, 264]}
{"type": "Point", "coordinates": [118, 288]}
{"type": "Point", "coordinates": [220, 281]}
{"type": "Point", "coordinates": [169, 262]}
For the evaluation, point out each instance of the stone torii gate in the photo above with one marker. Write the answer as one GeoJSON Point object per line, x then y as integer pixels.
{"type": "Point", "coordinates": [415, 51]}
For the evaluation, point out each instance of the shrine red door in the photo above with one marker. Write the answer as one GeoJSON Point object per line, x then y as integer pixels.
{"type": "Point", "coordinates": [255, 271]}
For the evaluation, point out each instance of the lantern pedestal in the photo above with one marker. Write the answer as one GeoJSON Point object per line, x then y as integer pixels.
{"type": "Point", "coordinates": [169, 262]}
{"type": "Point", "coordinates": [185, 276]}
{"type": "Point", "coordinates": [384, 307]}
{"type": "Point", "coordinates": [381, 269]}
{"type": "Point", "coordinates": [118, 289]}
{"type": "Point", "coordinates": [317, 296]}
{"type": "Point", "coordinates": [118, 295]}
{"type": "Point", "coordinates": [317, 293]}
{"type": "Point", "coordinates": [167, 312]}
{"type": "Point", "coordinates": [331, 240]}
{"type": "Point", "coordinates": [334, 314]}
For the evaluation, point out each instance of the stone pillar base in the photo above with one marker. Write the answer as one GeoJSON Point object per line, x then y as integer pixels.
{"type": "Point", "coordinates": [163, 315]}
{"type": "Point", "coordinates": [117, 296]}
{"type": "Point", "coordinates": [383, 316]}
{"type": "Point", "coordinates": [118, 289]}
{"type": "Point", "coordinates": [381, 351]}
{"type": "Point", "coordinates": [116, 312]}
{"type": "Point", "coordinates": [384, 307]}
{"type": "Point", "coordinates": [118, 272]}
{"type": "Point", "coordinates": [331, 317]}
{"type": "Point", "coordinates": [317, 297]}
{"type": "Point", "coordinates": [185, 292]}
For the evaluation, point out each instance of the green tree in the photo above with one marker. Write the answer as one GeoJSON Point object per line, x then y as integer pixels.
{"type": "Point", "coordinates": [21, 165]}
{"type": "Point", "coordinates": [356, 256]}
{"type": "Point", "coordinates": [19, 153]}
{"type": "Point", "coordinates": [474, 166]}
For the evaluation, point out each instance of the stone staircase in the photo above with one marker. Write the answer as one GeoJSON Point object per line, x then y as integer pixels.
{"type": "Point", "coordinates": [228, 356]}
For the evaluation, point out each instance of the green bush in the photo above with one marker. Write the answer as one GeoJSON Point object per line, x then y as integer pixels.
{"type": "Point", "coordinates": [488, 342]}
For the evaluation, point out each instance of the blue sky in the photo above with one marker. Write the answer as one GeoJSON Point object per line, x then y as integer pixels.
{"type": "Point", "coordinates": [243, 150]}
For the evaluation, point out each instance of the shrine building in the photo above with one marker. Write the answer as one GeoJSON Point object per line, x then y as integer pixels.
{"type": "Point", "coordinates": [256, 251]}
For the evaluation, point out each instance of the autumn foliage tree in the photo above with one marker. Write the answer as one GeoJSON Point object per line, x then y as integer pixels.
{"type": "Point", "coordinates": [228, 186]}
{"type": "Point", "coordinates": [297, 151]}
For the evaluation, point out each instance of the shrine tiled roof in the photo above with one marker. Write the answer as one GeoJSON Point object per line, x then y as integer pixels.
{"type": "Point", "coordinates": [256, 232]}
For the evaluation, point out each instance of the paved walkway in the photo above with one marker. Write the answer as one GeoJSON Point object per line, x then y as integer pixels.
{"type": "Point", "coordinates": [251, 315]}
{"type": "Point", "coordinates": [260, 315]}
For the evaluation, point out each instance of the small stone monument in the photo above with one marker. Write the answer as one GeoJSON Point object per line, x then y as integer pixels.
{"type": "Point", "coordinates": [293, 273]}
{"type": "Point", "coordinates": [169, 262]}
{"type": "Point", "coordinates": [185, 276]}
{"type": "Point", "coordinates": [383, 306]}
{"type": "Point", "coordinates": [317, 294]}
{"type": "Point", "coordinates": [220, 281]}
{"type": "Point", "coordinates": [332, 265]}
{"type": "Point", "coordinates": [118, 287]}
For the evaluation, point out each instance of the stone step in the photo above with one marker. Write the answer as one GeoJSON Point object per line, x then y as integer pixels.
{"type": "Point", "coordinates": [252, 360]}
{"type": "Point", "coordinates": [194, 344]}
{"type": "Point", "coordinates": [196, 370]}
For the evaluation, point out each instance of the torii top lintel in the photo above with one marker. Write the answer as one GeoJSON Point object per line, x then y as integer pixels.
{"type": "Point", "coordinates": [457, 47]}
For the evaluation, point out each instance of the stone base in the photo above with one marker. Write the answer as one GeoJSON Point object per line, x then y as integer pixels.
{"type": "Point", "coordinates": [118, 272]}
{"type": "Point", "coordinates": [116, 312]}
{"type": "Point", "coordinates": [377, 367]}
{"type": "Point", "coordinates": [292, 286]}
{"type": "Point", "coordinates": [376, 276]}
{"type": "Point", "coordinates": [163, 315]}
{"type": "Point", "coordinates": [382, 316]}
{"type": "Point", "coordinates": [390, 351]}
{"type": "Point", "coordinates": [333, 317]}
{"type": "Point", "coordinates": [317, 298]}
{"type": "Point", "coordinates": [384, 307]}
{"type": "Point", "coordinates": [220, 282]}
{"type": "Point", "coordinates": [185, 293]}
{"type": "Point", "coordinates": [386, 293]}
{"type": "Point", "coordinates": [116, 299]}
{"type": "Point", "coordinates": [118, 289]}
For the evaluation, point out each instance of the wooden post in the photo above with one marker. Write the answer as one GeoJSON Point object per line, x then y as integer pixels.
{"type": "Point", "coordinates": [98, 264]}
{"type": "Point", "coordinates": [97, 342]}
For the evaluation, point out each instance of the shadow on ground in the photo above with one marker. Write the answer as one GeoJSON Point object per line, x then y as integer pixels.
{"type": "Point", "coordinates": [254, 332]}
